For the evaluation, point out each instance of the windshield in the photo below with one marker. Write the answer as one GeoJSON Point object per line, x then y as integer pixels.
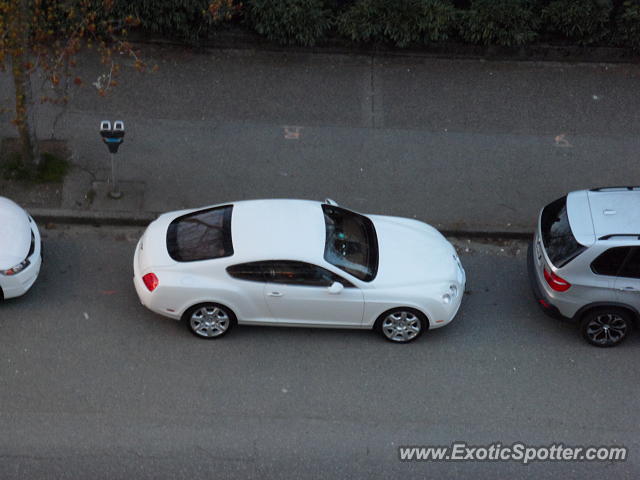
{"type": "Point", "coordinates": [351, 242]}
{"type": "Point", "coordinates": [201, 235]}
{"type": "Point", "coordinates": [560, 244]}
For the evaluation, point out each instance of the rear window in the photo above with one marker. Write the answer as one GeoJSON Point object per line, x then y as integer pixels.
{"type": "Point", "coordinates": [201, 235]}
{"type": "Point", "coordinates": [560, 244]}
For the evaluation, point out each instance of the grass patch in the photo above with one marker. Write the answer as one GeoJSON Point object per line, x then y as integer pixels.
{"type": "Point", "coordinates": [12, 168]}
{"type": "Point", "coordinates": [90, 196]}
{"type": "Point", "coordinates": [53, 167]}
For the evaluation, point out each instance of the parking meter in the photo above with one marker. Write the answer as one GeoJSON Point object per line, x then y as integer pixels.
{"type": "Point", "coordinates": [113, 137]}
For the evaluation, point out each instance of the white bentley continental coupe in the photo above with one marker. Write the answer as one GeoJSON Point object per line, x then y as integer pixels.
{"type": "Point", "coordinates": [20, 257]}
{"type": "Point", "coordinates": [297, 263]}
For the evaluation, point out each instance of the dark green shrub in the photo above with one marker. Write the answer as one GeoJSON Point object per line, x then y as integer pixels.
{"type": "Point", "coordinates": [583, 21]}
{"type": "Point", "coordinates": [188, 20]}
{"type": "Point", "coordinates": [362, 22]}
{"type": "Point", "coordinates": [629, 25]}
{"type": "Point", "coordinates": [289, 22]}
{"type": "Point", "coordinates": [499, 22]}
{"type": "Point", "coordinates": [402, 22]}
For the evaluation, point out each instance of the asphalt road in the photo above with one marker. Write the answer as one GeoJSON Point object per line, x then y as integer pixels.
{"type": "Point", "coordinates": [462, 144]}
{"type": "Point", "coordinates": [92, 385]}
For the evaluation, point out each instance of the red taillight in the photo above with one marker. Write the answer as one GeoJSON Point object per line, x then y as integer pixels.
{"type": "Point", "coordinates": [555, 282]}
{"type": "Point", "coordinates": [151, 281]}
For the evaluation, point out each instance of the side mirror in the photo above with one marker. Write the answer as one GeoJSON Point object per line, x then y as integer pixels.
{"type": "Point", "coordinates": [335, 288]}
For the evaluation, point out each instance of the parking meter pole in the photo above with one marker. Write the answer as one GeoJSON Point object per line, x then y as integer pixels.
{"type": "Point", "coordinates": [114, 193]}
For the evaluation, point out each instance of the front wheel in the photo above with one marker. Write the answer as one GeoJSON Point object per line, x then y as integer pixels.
{"type": "Point", "coordinates": [606, 327]}
{"type": "Point", "coordinates": [209, 320]}
{"type": "Point", "coordinates": [401, 325]}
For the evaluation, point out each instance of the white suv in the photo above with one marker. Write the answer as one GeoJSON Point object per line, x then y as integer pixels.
{"type": "Point", "coordinates": [584, 261]}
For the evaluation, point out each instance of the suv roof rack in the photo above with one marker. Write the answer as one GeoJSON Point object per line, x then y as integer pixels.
{"type": "Point", "coordinates": [607, 237]}
{"type": "Point", "coordinates": [612, 189]}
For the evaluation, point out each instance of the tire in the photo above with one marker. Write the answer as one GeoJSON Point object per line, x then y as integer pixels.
{"type": "Point", "coordinates": [395, 325]}
{"type": "Point", "coordinates": [606, 327]}
{"type": "Point", "coordinates": [209, 321]}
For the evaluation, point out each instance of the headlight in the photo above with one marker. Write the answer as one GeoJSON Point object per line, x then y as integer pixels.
{"type": "Point", "coordinates": [446, 298]}
{"type": "Point", "coordinates": [17, 269]}
{"type": "Point", "coordinates": [454, 290]}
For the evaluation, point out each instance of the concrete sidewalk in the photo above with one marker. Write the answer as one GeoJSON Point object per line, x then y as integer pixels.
{"type": "Point", "coordinates": [466, 145]}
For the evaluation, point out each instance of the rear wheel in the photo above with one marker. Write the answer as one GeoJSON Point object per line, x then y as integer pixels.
{"type": "Point", "coordinates": [209, 320]}
{"type": "Point", "coordinates": [401, 325]}
{"type": "Point", "coordinates": [606, 327]}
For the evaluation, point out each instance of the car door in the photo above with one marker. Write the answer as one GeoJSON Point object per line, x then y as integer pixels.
{"type": "Point", "coordinates": [298, 293]}
{"type": "Point", "coordinates": [601, 287]}
{"type": "Point", "coordinates": [248, 281]}
{"type": "Point", "coordinates": [627, 283]}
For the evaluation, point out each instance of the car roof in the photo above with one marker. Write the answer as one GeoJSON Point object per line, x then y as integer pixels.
{"type": "Point", "coordinates": [615, 211]}
{"type": "Point", "coordinates": [277, 229]}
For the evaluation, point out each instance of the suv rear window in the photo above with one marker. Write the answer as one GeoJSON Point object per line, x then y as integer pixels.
{"type": "Point", "coordinates": [201, 235]}
{"type": "Point", "coordinates": [558, 240]}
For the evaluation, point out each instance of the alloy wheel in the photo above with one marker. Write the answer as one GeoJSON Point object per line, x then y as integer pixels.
{"type": "Point", "coordinates": [209, 321]}
{"type": "Point", "coordinates": [401, 326]}
{"type": "Point", "coordinates": [606, 329]}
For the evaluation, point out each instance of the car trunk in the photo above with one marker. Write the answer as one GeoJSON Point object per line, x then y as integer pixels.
{"type": "Point", "coordinates": [556, 238]}
{"type": "Point", "coordinates": [153, 246]}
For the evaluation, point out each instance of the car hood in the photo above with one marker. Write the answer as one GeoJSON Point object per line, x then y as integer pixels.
{"type": "Point", "coordinates": [15, 234]}
{"type": "Point", "coordinates": [412, 252]}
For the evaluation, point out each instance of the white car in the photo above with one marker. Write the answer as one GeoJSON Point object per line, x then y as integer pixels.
{"type": "Point", "coordinates": [20, 256]}
{"type": "Point", "coordinates": [297, 263]}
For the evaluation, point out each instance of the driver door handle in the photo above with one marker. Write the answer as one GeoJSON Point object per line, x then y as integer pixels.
{"type": "Point", "coordinates": [628, 289]}
{"type": "Point", "coordinates": [274, 294]}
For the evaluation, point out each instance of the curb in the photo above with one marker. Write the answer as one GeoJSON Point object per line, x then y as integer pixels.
{"type": "Point", "coordinates": [488, 234]}
{"type": "Point", "coordinates": [87, 217]}
{"type": "Point", "coordinates": [142, 219]}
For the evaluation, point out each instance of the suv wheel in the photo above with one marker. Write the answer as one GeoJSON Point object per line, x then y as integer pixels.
{"type": "Point", "coordinates": [606, 327]}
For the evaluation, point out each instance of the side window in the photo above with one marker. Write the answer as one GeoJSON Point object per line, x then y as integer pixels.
{"type": "Point", "coordinates": [300, 273]}
{"type": "Point", "coordinates": [631, 268]}
{"type": "Point", "coordinates": [253, 271]}
{"type": "Point", "coordinates": [609, 262]}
